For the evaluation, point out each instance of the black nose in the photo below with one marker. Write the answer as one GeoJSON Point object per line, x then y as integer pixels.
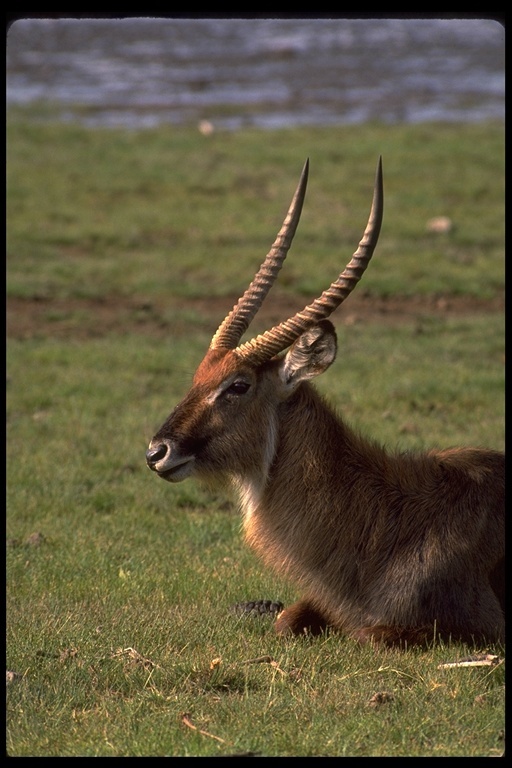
{"type": "Point", "coordinates": [154, 454]}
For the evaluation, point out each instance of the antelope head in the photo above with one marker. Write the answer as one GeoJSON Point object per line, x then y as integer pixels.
{"type": "Point", "coordinates": [226, 427]}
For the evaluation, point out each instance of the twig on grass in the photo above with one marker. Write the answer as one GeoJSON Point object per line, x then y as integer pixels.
{"type": "Point", "coordinates": [185, 719]}
{"type": "Point", "coordinates": [266, 660]}
{"type": "Point", "coordinates": [480, 660]}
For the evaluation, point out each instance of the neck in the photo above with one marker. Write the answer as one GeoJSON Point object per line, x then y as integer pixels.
{"type": "Point", "coordinates": [306, 471]}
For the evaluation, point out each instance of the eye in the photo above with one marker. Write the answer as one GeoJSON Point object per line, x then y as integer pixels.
{"type": "Point", "coordinates": [238, 387]}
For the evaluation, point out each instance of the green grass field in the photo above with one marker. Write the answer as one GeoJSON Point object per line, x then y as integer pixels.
{"type": "Point", "coordinates": [125, 250]}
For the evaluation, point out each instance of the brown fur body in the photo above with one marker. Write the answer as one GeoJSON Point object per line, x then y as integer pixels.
{"type": "Point", "coordinates": [399, 548]}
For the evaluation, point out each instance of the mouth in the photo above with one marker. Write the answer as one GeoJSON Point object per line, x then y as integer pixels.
{"type": "Point", "coordinates": [177, 473]}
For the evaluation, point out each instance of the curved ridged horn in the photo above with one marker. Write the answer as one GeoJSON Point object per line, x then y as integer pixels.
{"type": "Point", "coordinates": [280, 337]}
{"type": "Point", "coordinates": [236, 323]}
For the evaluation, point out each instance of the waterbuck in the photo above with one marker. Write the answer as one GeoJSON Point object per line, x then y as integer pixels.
{"type": "Point", "coordinates": [398, 548]}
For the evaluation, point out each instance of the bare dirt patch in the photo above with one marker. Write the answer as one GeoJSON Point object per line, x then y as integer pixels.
{"type": "Point", "coordinates": [88, 318]}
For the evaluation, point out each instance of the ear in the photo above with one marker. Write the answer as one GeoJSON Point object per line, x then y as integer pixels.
{"type": "Point", "coordinates": [310, 355]}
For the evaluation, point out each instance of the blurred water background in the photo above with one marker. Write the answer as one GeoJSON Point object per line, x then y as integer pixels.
{"type": "Point", "coordinates": [265, 72]}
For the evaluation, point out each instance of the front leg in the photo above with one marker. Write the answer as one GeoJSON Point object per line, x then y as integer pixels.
{"type": "Point", "coordinates": [301, 618]}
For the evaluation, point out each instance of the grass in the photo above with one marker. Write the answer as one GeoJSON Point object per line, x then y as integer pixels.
{"type": "Point", "coordinates": [171, 212]}
{"type": "Point", "coordinates": [118, 585]}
